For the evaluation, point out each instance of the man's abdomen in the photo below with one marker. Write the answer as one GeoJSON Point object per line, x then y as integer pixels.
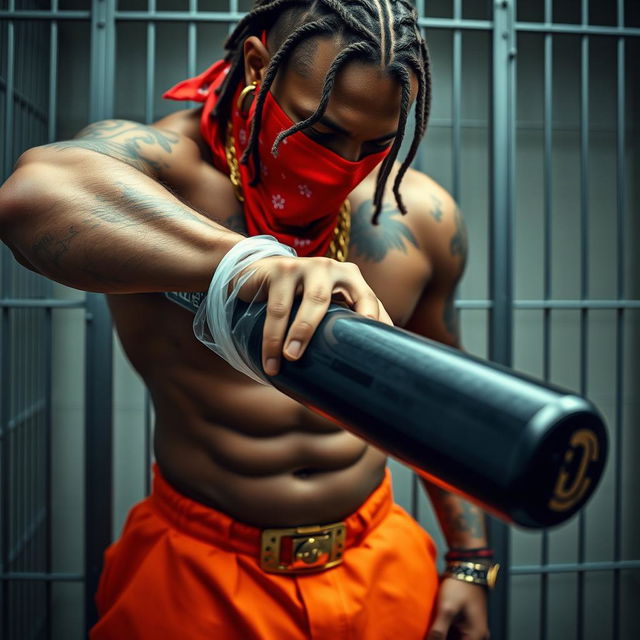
{"type": "Point", "coordinates": [243, 448]}
{"type": "Point", "coordinates": [289, 479]}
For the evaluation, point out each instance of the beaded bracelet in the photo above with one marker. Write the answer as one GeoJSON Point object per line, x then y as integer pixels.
{"type": "Point", "coordinates": [474, 573]}
{"type": "Point", "coordinates": [479, 553]}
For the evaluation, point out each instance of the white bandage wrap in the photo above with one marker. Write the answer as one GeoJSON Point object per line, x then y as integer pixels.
{"type": "Point", "coordinates": [212, 324]}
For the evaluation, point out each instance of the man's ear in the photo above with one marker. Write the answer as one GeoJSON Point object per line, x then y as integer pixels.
{"type": "Point", "coordinates": [256, 60]}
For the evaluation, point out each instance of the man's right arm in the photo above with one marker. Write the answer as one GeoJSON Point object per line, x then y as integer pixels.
{"type": "Point", "coordinates": [92, 214]}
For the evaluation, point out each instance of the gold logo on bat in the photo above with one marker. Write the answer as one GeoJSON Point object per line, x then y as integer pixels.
{"type": "Point", "coordinates": [568, 492]}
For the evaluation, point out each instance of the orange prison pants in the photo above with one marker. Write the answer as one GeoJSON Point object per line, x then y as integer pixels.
{"type": "Point", "coordinates": [184, 571]}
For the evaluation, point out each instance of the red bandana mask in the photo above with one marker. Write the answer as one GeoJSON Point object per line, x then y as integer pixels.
{"type": "Point", "coordinates": [301, 190]}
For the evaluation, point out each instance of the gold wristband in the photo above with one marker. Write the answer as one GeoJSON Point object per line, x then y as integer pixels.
{"type": "Point", "coordinates": [484, 575]}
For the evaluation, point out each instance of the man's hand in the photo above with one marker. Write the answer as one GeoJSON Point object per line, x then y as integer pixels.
{"type": "Point", "coordinates": [461, 612]}
{"type": "Point", "coordinates": [318, 280]}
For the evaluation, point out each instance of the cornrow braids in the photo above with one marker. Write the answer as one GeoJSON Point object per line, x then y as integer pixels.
{"type": "Point", "coordinates": [343, 57]}
{"type": "Point", "coordinates": [349, 19]}
{"type": "Point", "coordinates": [253, 149]}
{"type": "Point", "coordinates": [405, 82]}
{"type": "Point", "coordinates": [383, 32]}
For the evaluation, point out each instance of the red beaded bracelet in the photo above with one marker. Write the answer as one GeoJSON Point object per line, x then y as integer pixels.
{"type": "Point", "coordinates": [465, 554]}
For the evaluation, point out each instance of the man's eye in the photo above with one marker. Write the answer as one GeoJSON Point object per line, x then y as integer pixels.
{"type": "Point", "coordinates": [380, 146]}
{"type": "Point", "coordinates": [320, 134]}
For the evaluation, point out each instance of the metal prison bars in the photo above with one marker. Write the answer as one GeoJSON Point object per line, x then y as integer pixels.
{"type": "Point", "coordinates": [29, 79]}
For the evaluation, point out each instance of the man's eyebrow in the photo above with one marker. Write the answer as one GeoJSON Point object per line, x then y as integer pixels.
{"type": "Point", "coordinates": [327, 122]}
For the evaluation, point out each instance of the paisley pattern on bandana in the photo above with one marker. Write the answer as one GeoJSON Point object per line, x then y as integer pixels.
{"type": "Point", "coordinates": [301, 190]}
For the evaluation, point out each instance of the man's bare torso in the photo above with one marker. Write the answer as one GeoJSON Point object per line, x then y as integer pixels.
{"type": "Point", "coordinates": [244, 448]}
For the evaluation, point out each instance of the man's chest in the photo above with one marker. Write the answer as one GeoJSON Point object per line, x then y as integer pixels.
{"type": "Point", "coordinates": [389, 254]}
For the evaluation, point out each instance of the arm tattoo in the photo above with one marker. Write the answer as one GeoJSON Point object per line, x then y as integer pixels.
{"type": "Point", "coordinates": [457, 515]}
{"type": "Point", "coordinates": [436, 212]}
{"type": "Point", "coordinates": [50, 249]}
{"type": "Point", "coordinates": [132, 208]}
{"type": "Point", "coordinates": [235, 222]}
{"type": "Point", "coordinates": [459, 243]}
{"type": "Point", "coordinates": [465, 520]}
{"type": "Point", "coordinates": [129, 208]}
{"type": "Point", "coordinates": [122, 140]}
{"type": "Point", "coordinates": [373, 242]}
{"type": "Point", "coordinates": [459, 248]}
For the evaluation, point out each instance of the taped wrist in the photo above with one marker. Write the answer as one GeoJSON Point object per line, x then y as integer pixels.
{"type": "Point", "coordinates": [214, 321]}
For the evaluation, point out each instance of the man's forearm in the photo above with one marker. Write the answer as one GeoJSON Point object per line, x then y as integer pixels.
{"type": "Point", "coordinates": [94, 223]}
{"type": "Point", "coordinates": [463, 524]}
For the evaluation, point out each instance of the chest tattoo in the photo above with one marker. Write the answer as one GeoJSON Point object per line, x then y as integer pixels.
{"type": "Point", "coordinates": [373, 242]}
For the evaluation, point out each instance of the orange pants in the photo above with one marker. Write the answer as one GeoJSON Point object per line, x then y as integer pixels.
{"type": "Point", "coordinates": [183, 571]}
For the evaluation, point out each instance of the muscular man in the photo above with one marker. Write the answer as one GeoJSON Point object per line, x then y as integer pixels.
{"type": "Point", "coordinates": [140, 210]}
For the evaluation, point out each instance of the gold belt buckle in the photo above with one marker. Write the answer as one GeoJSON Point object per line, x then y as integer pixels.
{"type": "Point", "coordinates": [302, 549]}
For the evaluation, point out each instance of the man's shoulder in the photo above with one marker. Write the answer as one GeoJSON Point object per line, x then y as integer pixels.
{"type": "Point", "coordinates": [404, 256]}
{"type": "Point", "coordinates": [433, 223]}
{"type": "Point", "coordinates": [185, 122]}
{"type": "Point", "coordinates": [429, 205]}
{"type": "Point", "coordinates": [436, 220]}
{"type": "Point", "coordinates": [192, 174]}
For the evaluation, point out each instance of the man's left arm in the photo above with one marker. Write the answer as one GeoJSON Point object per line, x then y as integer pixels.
{"type": "Point", "coordinates": [460, 605]}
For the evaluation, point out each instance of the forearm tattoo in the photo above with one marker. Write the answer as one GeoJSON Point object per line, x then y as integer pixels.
{"type": "Point", "coordinates": [459, 519]}
{"type": "Point", "coordinates": [133, 207]}
{"type": "Point", "coordinates": [373, 242]}
{"type": "Point", "coordinates": [126, 207]}
{"type": "Point", "coordinates": [123, 140]}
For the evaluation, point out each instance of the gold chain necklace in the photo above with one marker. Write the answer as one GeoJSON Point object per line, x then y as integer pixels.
{"type": "Point", "coordinates": [339, 247]}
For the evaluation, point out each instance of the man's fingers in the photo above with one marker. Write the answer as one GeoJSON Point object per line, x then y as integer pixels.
{"type": "Point", "coordinates": [281, 294]}
{"type": "Point", "coordinates": [366, 303]}
{"type": "Point", "coordinates": [316, 298]}
{"type": "Point", "coordinates": [363, 299]}
{"type": "Point", "coordinates": [318, 279]}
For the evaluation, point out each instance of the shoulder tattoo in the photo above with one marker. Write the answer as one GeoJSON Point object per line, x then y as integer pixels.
{"type": "Point", "coordinates": [122, 140]}
{"type": "Point", "coordinates": [459, 243]}
{"type": "Point", "coordinates": [373, 242]}
{"type": "Point", "coordinates": [436, 212]}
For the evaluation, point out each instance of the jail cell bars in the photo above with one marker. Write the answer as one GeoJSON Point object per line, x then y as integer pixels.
{"type": "Point", "coordinates": [533, 128]}
{"type": "Point", "coordinates": [25, 360]}
{"type": "Point", "coordinates": [577, 294]}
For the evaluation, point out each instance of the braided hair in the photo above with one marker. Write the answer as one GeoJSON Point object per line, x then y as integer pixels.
{"type": "Point", "coordinates": [372, 31]}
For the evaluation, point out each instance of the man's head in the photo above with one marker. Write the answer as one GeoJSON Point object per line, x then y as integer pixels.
{"type": "Point", "coordinates": [346, 72]}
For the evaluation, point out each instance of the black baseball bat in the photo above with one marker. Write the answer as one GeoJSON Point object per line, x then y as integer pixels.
{"type": "Point", "coordinates": [526, 451]}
